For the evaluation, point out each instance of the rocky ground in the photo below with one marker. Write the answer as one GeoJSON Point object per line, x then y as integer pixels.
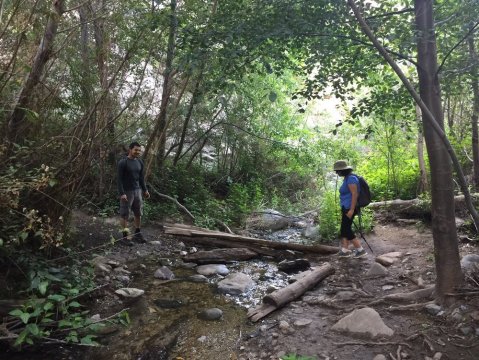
{"type": "Point", "coordinates": [352, 314]}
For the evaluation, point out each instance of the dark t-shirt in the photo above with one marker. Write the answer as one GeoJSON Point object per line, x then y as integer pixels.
{"type": "Point", "coordinates": [130, 175]}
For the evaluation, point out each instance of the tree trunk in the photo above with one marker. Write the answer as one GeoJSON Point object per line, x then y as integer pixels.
{"type": "Point", "coordinates": [157, 140]}
{"type": "Point", "coordinates": [319, 249]}
{"type": "Point", "coordinates": [446, 250]}
{"type": "Point", "coordinates": [475, 109]}
{"type": "Point", "coordinates": [423, 182]}
{"type": "Point", "coordinates": [16, 122]}
{"type": "Point", "coordinates": [445, 236]}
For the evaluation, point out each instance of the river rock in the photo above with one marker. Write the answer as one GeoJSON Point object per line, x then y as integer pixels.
{"type": "Point", "coordinates": [377, 270]}
{"type": "Point", "coordinates": [211, 314]}
{"type": "Point", "coordinates": [168, 303]}
{"type": "Point", "coordinates": [197, 278]}
{"type": "Point", "coordinates": [365, 321]}
{"type": "Point", "coordinates": [212, 269]}
{"type": "Point", "coordinates": [235, 284]}
{"type": "Point", "coordinates": [379, 357]}
{"type": "Point", "coordinates": [163, 273]}
{"type": "Point", "coordinates": [130, 293]}
{"type": "Point", "coordinates": [289, 266]}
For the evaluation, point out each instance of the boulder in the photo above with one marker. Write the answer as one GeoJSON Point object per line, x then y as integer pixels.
{"type": "Point", "coordinates": [365, 321]}
{"type": "Point", "coordinates": [235, 284]}
{"type": "Point", "coordinates": [269, 219]}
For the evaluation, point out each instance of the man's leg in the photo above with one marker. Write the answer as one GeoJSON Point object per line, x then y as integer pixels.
{"type": "Point", "coordinates": [124, 214]}
{"type": "Point", "coordinates": [137, 208]}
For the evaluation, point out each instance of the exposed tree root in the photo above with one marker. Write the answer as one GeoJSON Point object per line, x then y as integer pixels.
{"type": "Point", "coordinates": [371, 343]}
{"type": "Point", "coordinates": [413, 296]}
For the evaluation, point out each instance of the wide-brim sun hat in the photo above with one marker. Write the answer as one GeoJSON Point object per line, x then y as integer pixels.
{"type": "Point", "coordinates": [341, 165]}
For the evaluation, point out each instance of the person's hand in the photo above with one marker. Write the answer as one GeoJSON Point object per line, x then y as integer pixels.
{"type": "Point", "coordinates": [146, 194]}
{"type": "Point", "coordinates": [123, 198]}
{"type": "Point", "coordinates": [350, 213]}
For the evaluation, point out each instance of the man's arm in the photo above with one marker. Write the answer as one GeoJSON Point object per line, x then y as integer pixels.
{"type": "Point", "coordinates": [142, 181]}
{"type": "Point", "coordinates": [120, 176]}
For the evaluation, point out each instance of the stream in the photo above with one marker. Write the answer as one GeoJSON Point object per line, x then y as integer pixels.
{"type": "Point", "coordinates": [165, 321]}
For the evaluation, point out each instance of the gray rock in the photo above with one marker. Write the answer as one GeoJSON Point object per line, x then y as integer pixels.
{"type": "Point", "coordinates": [302, 322]}
{"type": "Point", "coordinates": [470, 262]}
{"type": "Point", "coordinates": [388, 287]}
{"type": "Point", "coordinates": [168, 303]}
{"type": "Point", "coordinates": [130, 293]}
{"type": "Point", "coordinates": [311, 232]}
{"type": "Point", "coordinates": [212, 269]}
{"type": "Point", "coordinates": [380, 357]}
{"type": "Point", "coordinates": [211, 314]}
{"type": "Point", "coordinates": [377, 270]}
{"type": "Point", "coordinates": [235, 284]}
{"type": "Point", "coordinates": [456, 314]}
{"type": "Point", "coordinates": [433, 309]}
{"type": "Point", "coordinates": [289, 266]}
{"type": "Point", "coordinates": [345, 295]}
{"type": "Point", "coordinates": [187, 265]}
{"type": "Point", "coordinates": [269, 219]}
{"type": "Point", "coordinates": [197, 278]}
{"type": "Point", "coordinates": [365, 321]}
{"type": "Point", "coordinates": [164, 273]}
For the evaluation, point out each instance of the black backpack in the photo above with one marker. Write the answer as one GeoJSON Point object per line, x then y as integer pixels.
{"type": "Point", "coordinates": [364, 198]}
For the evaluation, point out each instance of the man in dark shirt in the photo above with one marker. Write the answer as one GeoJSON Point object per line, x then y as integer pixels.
{"type": "Point", "coordinates": [131, 187]}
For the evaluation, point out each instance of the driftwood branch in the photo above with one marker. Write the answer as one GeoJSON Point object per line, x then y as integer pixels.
{"type": "Point", "coordinates": [185, 210]}
{"type": "Point", "coordinates": [281, 297]}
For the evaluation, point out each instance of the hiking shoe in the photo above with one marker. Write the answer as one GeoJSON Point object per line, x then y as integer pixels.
{"type": "Point", "coordinates": [344, 254]}
{"type": "Point", "coordinates": [360, 254]}
{"type": "Point", "coordinates": [138, 237]}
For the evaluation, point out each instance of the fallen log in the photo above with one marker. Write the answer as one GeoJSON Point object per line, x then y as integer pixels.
{"type": "Point", "coordinates": [277, 254]}
{"type": "Point", "coordinates": [416, 207]}
{"type": "Point", "coordinates": [221, 256]}
{"type": "Point", "coordinates": [281, 297]}
{"type": "Point", "coordinates": [320, 249]}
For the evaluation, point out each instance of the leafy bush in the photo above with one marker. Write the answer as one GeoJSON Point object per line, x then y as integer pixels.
{"type": "Point", "coordinates": [53, 311]}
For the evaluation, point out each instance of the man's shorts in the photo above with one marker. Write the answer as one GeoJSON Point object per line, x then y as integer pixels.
{"type": "Point", "coordinates": [135, 203]}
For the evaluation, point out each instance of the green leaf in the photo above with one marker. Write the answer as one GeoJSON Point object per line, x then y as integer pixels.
{"type": "Point", "coordinates": [272, 96]}
{"type": "Point", "coordinates": [33, 328]}
{"type": "Point", "coordinates": [87, 340]}
{"type": "Point", "coordinates": [57, 297]}
{"type": "Point", "coordinates": [23, 235]}
{"type": "Point", "coordinates": [21, 338]}
{"type": "Point", "coordinates": [64, 323]}
{"type": "Point", "coordinates": [74, 304]}
{"type": "Point", "coordinates": [43, 287]}
{"type": "Point", "coordinates": [48, 306]}
{"type": "Point", "coordinates": [16, 312]}
{"type": "Point", "coordinates": [25, 317]}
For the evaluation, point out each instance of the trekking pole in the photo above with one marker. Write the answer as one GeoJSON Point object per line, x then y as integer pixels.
{"type": "Point", "coordinates": [359, 229]}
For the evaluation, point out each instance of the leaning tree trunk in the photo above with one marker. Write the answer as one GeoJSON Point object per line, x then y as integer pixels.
{"type": "Point", "coordinates": [444, 230]}
{"type": "Point", "coordinates": [475, 110]}
{"type": "Point", "coordinates": [16, 122]}
{"type": "Point", "coordinates": [448, 270]}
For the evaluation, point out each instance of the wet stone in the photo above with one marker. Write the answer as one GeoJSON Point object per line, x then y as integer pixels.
{"type": "Point", "coordinates": [168, 303]}
{"type": "Point", "coordinates": [197, 278]}
{"type": "Point", "coordinates": [164, 273]}
{"type": "Point", "coordinates": [211, 314]}
{"type": "Point", "coordinates": [290, 266]}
